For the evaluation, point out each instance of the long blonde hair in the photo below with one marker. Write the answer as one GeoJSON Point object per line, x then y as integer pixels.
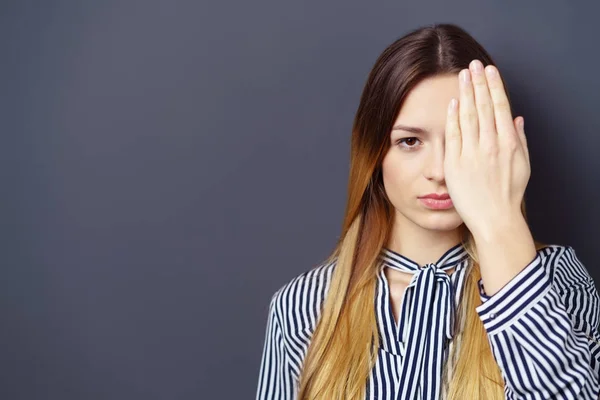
{"type": "Point", "coordinates": [344, 345]}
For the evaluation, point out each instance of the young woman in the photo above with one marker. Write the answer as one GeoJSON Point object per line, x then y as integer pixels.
{"type": "Point", "coordinates": [436, 288]}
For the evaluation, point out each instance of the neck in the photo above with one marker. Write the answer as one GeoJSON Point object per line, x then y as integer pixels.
{"type": "Point", "coordinates": [422, 245]}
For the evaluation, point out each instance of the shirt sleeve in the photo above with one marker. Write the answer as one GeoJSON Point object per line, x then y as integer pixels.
{"type": "Point", "coordinates": [544, 336]}
{"type": "Point", "coordinates": [275, 379]}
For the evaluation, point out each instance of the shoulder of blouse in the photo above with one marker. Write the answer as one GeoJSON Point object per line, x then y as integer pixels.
{"type": "Point", "coordinates": [297, 303]}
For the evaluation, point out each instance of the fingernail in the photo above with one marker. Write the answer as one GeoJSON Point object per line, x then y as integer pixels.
{"type": "Point", "coordinates": [477, 66]}
{"type": "Point", "coordinates": [491, 71]}
{"type": "Point", "coordinates": [452, 106]}
{"type": "Point", "coordinates": [466, 76]}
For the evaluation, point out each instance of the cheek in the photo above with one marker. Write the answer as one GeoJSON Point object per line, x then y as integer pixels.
{"type": "Point", "coordinates": [397, 172]}
{"type": "Point", "coordinates": [398, 180]}
{"type": "Point", "coordinates": [392, 178]}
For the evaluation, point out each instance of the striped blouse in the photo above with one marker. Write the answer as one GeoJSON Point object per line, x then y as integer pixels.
{"type": "Point", "coordinates": [543, 328]}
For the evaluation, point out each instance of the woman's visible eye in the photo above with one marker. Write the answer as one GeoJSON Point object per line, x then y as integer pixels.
{"type": "Point", "coordinates": [409, 142]}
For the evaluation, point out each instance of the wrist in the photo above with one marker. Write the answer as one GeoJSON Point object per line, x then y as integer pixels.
{"type": "Point", "coordinates": [497, 230]}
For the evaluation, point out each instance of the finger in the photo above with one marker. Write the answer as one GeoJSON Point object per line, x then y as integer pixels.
{"type": "Point", "coordinates": [453, 135]}
{"type": "Point", "coordinates": [483, 101]}
{"type": "Point", "coordinates": [467, 113]}
{"type": "Point", "coordinates": [520, 128]}
{"type": "Point", "coordinates": [502, 113]}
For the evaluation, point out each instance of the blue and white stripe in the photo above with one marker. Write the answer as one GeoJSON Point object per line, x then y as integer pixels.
{"type": "Point", "coordinates": [543, 327]}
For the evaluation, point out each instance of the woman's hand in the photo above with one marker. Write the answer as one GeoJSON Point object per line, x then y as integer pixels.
{"type": "Point", "coordinates": [486, 161]}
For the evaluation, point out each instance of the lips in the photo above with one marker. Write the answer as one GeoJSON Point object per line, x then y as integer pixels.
{"type": "Point", "coordinates": [435, 196]}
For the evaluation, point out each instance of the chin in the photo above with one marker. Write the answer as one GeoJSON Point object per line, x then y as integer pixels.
{"type": "Point", "coordinates": [440, 220]}
{"type": "Point", "coordinates": [446, 220]}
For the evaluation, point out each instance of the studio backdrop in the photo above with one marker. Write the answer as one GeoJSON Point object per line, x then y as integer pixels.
{"type": "Point", "coordinates": [168, 165]}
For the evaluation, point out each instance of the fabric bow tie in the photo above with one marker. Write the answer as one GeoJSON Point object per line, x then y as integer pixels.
{"type": "Point", "coordinates": [429, 323]}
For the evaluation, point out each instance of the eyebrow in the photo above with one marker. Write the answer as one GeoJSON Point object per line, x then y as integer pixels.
{"type": "Point", "coordinates": [412, 129]}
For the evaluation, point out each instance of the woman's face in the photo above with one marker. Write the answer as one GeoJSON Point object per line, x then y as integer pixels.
{"type": "Point", "coordinates": [414, 165]}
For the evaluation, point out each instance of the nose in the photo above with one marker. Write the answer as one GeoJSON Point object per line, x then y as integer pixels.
{"type": "Point", "coordinates": [435, 164]}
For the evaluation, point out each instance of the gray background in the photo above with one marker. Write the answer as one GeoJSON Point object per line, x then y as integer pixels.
{"type": "Point", "coordinates": [166, 166]}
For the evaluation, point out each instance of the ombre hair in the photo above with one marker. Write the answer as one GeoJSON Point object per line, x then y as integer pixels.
{"type": "Point", "coordinates": [345, 343]}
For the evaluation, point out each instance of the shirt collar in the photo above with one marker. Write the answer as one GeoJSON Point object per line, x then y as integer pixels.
{"type": "Point", "coordinates": [453, 257]}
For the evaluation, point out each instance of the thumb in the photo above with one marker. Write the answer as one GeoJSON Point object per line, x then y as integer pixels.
{"type": "Point", "coordinates": [519, 123]}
